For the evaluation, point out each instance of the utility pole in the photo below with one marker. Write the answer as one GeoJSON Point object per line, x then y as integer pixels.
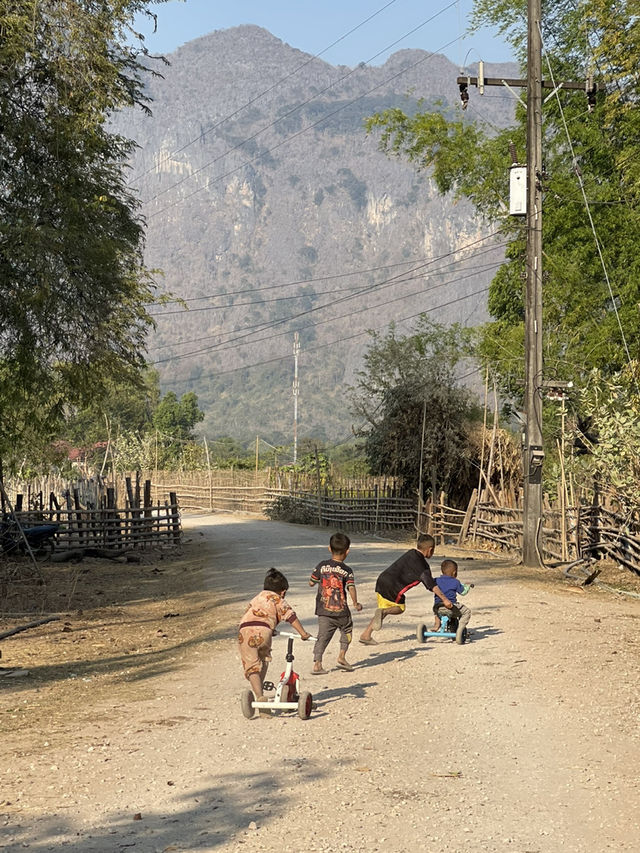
{"type": "Point", "coordinates": [296, 392]}
{"type": "Point", "coordinates": [533, 451]}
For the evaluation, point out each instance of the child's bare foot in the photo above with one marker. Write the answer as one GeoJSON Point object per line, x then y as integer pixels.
{"type": "Point", "coordinates": [263, 712]}
{"type": "Point", "coordinates": [318, 669]}
{"type": "Point", "coordinates": [345, 665]}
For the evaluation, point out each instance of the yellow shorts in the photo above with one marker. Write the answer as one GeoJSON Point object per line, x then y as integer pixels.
{"type": "Point", "coordinates": [383, 603]}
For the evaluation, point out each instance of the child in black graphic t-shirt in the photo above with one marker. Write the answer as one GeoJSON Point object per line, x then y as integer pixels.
{"type": "Point", "coordinates": [334, 579]}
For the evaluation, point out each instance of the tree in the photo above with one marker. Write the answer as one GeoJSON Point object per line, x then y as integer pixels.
{"type": "Point", "coordinates": [414, 409]}
{"type": "Point", "coordinates": [73, 285]}
{"type": "Point", "coordinates": [174, 421]}
{"type": "Point", "coordinates": [611, 408]}
{"type": "Point", "coordinates": [124, 409]}
{"type": "Point", "coordinates": [592, 282]}
{"type": "Point", "coordinates": [177, 418]}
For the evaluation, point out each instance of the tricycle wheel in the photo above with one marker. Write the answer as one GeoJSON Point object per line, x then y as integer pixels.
{"type": "Point", "coordinates": [305, 705]}
{"type": "Point", "coordinates": [421, 630]}
{"type": "Point", "coordinates": [461, 636]}
{"type": "Point", "coordinates": [247, 699]}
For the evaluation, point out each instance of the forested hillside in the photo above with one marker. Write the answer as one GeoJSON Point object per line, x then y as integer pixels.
{"type": "Point", "coordinates": [269, 210]}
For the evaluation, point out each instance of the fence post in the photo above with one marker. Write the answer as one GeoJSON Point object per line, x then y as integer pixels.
{"type": "Point", "coordinates": [319, 487]}
{"type": "Point", "coordinates": [175, 517]}
{"type": "Point", "coordinates": [464, 530]}
{"type": "Point", "coordinates": [377, 494]}
{"type": "Point", "coordinates": [206, 450]}
{"type": "Point", "coordinates": [112, 518]}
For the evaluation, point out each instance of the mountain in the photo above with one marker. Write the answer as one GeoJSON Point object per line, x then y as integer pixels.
{"type": "Point", "coordinates": [270, 211]}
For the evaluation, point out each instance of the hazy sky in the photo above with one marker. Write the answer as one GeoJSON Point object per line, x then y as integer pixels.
{"type": "Point", "coordinates": [437, 25]}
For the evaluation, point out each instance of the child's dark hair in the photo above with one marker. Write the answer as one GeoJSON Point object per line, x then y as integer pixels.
{"type": "Point", "coordinates": [425, 539]}
{"type": "Point", "coordinates": [448, 567]}
{"type": "Point", "coordinates": [339, 543]}
{"type": "Point", "coordinates": [275, 581]}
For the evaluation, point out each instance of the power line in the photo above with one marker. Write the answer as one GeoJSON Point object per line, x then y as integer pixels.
{"type": "Point", "coordinates": [261, 301]}
{"type": "Point", "coordinates": [342, 339]}
{"type": "Point", "coordinates": [298, 107]}
{"type": "Point", "coordinates": [592, 225]}
{"type": "Point", "coordinates": [293, 136]}
{"type": "Point", "coordinates": [388, 282]}
{"type": "Point", "coordinates": [297, 282]}
{"type": "Point", "coordinates": [263, 93]}
{"type": "Point", "coordinates": [223, 346]}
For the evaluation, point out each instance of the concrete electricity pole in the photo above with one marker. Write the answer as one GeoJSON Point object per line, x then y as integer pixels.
{"type": "Point", "coordinates": [533, 452]}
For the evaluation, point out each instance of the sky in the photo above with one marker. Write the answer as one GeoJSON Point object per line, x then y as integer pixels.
{"type": "Point", "coordinates": [437, 26]}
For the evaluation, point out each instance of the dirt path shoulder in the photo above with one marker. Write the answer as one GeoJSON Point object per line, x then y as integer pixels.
{"type": "Point", "coordinates": [127, 733]}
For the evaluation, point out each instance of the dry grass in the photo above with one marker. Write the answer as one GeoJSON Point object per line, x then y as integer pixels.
{"type": "Point", "coordinates": [119, 626]}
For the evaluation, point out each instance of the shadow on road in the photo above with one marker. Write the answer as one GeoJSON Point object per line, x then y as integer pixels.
{"type": "Point", "coordinates": [356, 691]}
{"type": "Point", "coordinates": [235, 805]}
{"type": "Point", "coordinates": [376, 658]}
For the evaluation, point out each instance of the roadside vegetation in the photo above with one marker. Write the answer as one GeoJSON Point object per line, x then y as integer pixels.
{"type": "Point", "coordinates": [74, 313]}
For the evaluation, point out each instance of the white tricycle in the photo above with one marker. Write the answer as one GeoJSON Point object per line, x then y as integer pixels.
{"type": "Point", "coordinates": [288, 696]}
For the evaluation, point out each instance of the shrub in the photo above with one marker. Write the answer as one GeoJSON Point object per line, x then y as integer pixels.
{"type": "Point", "coordinates": [290, 509]}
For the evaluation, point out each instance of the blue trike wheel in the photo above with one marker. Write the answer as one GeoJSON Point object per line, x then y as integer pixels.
{"type": "Point", "coordinates": [421, 630]}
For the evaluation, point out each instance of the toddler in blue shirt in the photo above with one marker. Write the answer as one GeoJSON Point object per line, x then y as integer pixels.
{"type": "Point", "coordinates": [450, 585]}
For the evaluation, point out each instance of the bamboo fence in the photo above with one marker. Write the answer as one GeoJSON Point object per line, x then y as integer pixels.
{"type": "Point", "coordinates": [138, 524]}
{"type": "Point", "coordinates": [372, 512]}
{"type": "Point", "coordinates": [150, 512]}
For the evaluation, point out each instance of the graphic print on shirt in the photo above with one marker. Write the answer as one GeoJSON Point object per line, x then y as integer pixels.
{"type": "Point", "coordinates": [333, 597]}
{"type": "Point", "coordinates": [332, 579]}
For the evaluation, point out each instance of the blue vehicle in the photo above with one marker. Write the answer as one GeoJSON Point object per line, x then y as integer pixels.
{"type": "Point", "coordinates": [16, 539]}
{"type": "Point", "coordinates": [448, 628]}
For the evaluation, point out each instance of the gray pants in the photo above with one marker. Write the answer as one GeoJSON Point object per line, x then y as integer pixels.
{"type": "Point", "coordinates": [327, 626]}
{"type": "Point", "coordinates": [460, 611]}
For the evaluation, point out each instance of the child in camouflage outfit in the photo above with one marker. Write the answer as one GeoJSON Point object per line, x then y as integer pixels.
{"type": "Point", "coordinates": [258, 625]}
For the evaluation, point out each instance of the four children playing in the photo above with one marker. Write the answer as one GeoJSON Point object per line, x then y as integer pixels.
{"type": "Point", "coordinates": [335, 582]}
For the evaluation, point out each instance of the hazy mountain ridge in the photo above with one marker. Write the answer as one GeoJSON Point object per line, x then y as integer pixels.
{"type": "Point", "coordinates": [262, 204]}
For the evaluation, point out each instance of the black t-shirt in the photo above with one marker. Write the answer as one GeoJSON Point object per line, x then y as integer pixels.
{"type": "Point", "coordinates": [332, 578]}
{"type": "Point", "coordinates": [408, 571]}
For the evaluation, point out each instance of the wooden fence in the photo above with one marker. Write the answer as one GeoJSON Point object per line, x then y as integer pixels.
{"type": "Point", "coordinates": [109, 529]}
{"type": "Point", "coordinates": [138, 524]}
{"type": "Point", "coordinates": [586, 529]}
{"type": "Point", "coordinates": [330, 508]}
{"type": "Point", "coordinates": [595, 525]}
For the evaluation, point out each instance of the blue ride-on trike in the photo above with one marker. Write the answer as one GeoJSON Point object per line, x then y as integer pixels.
{"type": "Point", "coordinates": [448, 627]}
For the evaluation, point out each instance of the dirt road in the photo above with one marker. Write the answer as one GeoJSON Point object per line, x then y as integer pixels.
{"type": "Point", "coordinates": [523, 740]}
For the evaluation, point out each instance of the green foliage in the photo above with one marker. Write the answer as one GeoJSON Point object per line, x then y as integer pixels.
{"type": "Point", "coordinates": [125, 408]}
{"type": "Point", "coordinates": [133, 451]}
{"type": "Point", "coordinates": [413, 408]}
{"type": "Point", "coordinates": [350, 460]}
{"type": "Point", "coordinates": [611, 407]}
{"type": "Point", "coordinates": [312, 464]}
{"type": "Point", "coordinates": [290, 509]}
{"type": "Point", "coordinates": [227, 452]}
{"type": "Point", "coordinates": [174, 421]}
{"type": "Point", "coordinates": [73, 286]}
{"type": "Point", "coordinates": [585, 310]}
{"type": "Point", "coordinates": [175, 418]}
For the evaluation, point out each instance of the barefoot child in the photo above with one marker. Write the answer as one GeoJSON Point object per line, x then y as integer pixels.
{"type": "Point", "coordinates": [334, 579]}
{"type": "Point", "coordinates": [258, 624]}
{"type": "Point", "coordinates": [408, 571]}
